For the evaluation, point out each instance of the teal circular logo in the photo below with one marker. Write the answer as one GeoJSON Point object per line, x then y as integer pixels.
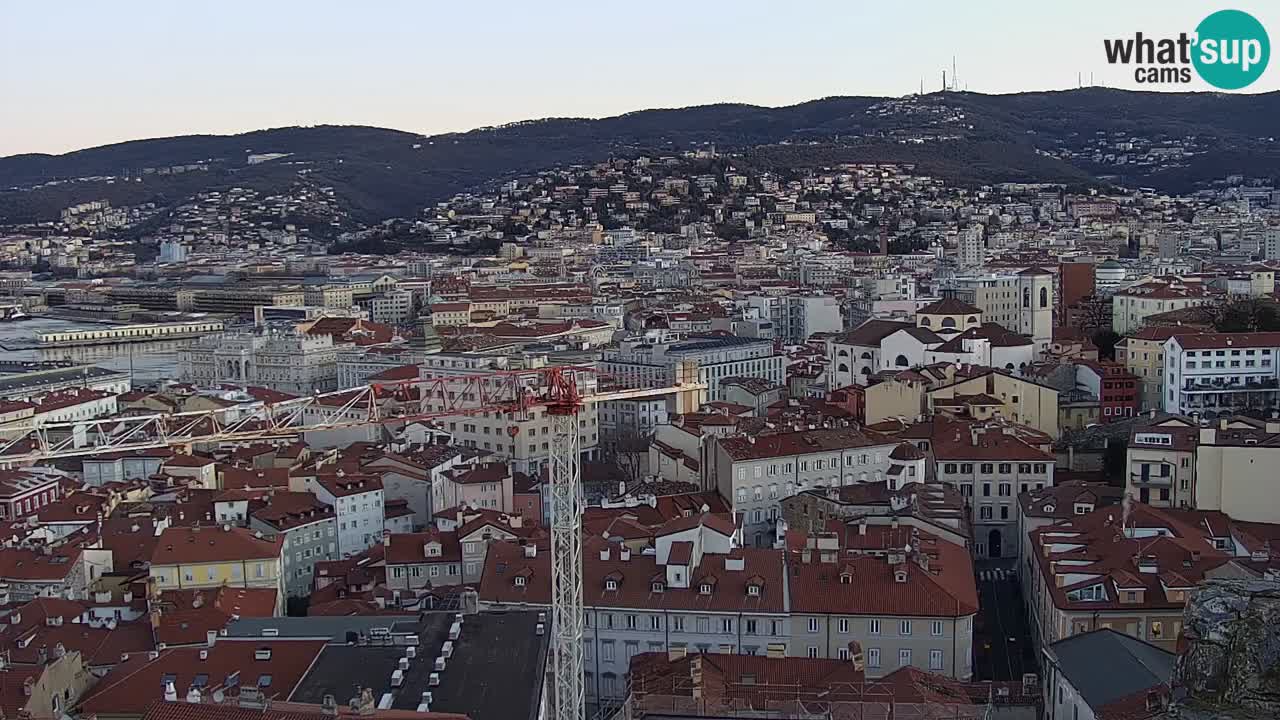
{"type": "Point", "coordinates": [1232, 49]}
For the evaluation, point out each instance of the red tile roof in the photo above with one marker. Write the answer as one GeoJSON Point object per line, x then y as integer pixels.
{"type": "Point", "coordinates": [635, 578]}
{"type": "Point", "coordinates": [213, 544]}
{"type": "Point", "coordinates": [133, 685]}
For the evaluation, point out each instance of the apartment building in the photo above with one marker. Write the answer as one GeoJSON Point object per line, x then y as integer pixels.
{"type": "Point", "coordinates": [1235, 469]}
{"type": "Point", "coordinates": [695, 592]}
{"type": "Point", "coordinates": [640, 363]}
{"type": "Point", "coordinates": [1142, 354]}
{"type": "Point", "coordinates": [991, 468]}
{"type": "Point", "coordinates": [1018, 400]}
{"type": "Point", "coordinates": [357, 500]}
{"type": "Point", "coordinates": [520, 438]}
{"type": "Point", "coordinates": [796, 317]}
{"type": "Point", "coordinates": [1129, 570]}
{"type": "Point", "coordinates": [394, 307]}
{"type": "Point", "coordinates": [486, 486]}
{"type": "Point", "coordinates": [188, 558]}
{"type": "Point", "coordinates": [906, 597]}
{"type": "Point", "coordinates": [1050, 505]}
{"type": "Point", "coordinates": [1222, 373]}
{"type": "Point", "coordinates": [308, 531]}
{"type": "Point", "coordinates": [1115, 387]}
{"type": "Point", "coordinates": [424, 560]}
{"type": "Point", "coordinates": [1161, 463]}
{"type": "Point", "coordinates": [755, 473]}
{"type": "Point", "coordinates": [1132, 306]}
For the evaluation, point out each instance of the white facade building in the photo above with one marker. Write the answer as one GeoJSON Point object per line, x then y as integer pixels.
{"type": "Point", "coordinates": [1221, 373]}
{"type": "Point", "coordinates": [796, 317]}
{"type": "Point", "coordinates": [286, 361]}
{"type": "Point", "coordinates": [357, 502]}
{"type": "Point", "coordinates": [641, 364]}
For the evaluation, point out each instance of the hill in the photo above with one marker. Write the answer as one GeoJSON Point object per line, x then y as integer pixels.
{"type": "Point", "coordinates": [968, 137]}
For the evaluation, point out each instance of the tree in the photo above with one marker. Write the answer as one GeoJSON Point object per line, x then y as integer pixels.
{"type": "Point", "coordinates": [1105, 341]}
{"type": "Point", "coordinates": [627, 451]}
{"type": "Point", "coordinates": [1245, 315]}
{"type": "Point", "coordinates": [1115, 459]}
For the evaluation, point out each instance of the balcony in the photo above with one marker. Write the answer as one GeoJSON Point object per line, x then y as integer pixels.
{"type": "Point", "coordinates": [1221, 385]}
{"type": "Point", "coordinates": [1149, 480]}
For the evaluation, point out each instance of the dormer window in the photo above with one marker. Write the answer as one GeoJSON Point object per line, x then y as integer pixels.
{"type": "Point", "coordinates": [610, 584]}
{"type": "Point", "coordinates": [519, 582]}
{"type": "Point", "coordinates": [900, 576]}
{"type": "Point", "coordinates": [753, 590]}
{"type": "Point", "coordinates": [846, 578]}
{"type": "Point", "coordinates": [657, 587]}
{"type": "Point", "coordinates": [705, 588]}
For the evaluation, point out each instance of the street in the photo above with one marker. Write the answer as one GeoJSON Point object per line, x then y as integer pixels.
{"type": "Point", "coordinates": [1002, 634]}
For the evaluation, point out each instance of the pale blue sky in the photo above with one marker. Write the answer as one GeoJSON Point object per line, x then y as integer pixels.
{"type": "Point", "coordinates": [78, 73]}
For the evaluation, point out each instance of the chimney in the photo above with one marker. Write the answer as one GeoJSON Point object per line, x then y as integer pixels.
{"type": "Point", "coordinates": [211, 638]}
{"type": "Point", "coordinates": [862, 526]}
{"type": "Point", "coordinates": [193, 696]}
{"type": "Point", "coordinates": [170, 692]}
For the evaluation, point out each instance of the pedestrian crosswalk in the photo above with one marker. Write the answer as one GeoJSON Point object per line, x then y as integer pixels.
{"type": "Point", "coordinates": [995, 574]}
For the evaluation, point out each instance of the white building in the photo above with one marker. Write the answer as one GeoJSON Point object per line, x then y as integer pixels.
{"type": "Point", "coordinates": [394, 307]}
{"type": "Point", "coordinates": [290, 362]}
{"type": "Point", "coordinates": [357, 501]}
{"type": "Point", "coordinates": [853, 356]}
{"type": "Point", "coordinates": [1221, 373]}
{"type": "Point", "coordinates": [796, 317]}
{"type": "Point", "coordinates": [638, 363]}
{"type": "Point", "coordinates": [756, 473]}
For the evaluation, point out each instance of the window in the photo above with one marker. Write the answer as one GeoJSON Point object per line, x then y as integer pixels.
{"type": "Point", "coordinates": [631, 622]}
{"type": "Point", "coordinates": [813, 651]}
{"type": "Point", "coordinates": [751, 627]}
{"type": "Point", "coordinates": [844, 625]}
{"type": "Point", "coordinates": [1157, 630]}
{"type": "Point", "coordinates": [726, 625]}
{"type": "Point", "coordinates": [677, 623]}
{"type": "Point", "coordinates": [813, 625]}
{"type": "Point", "coordinates": [655, 622]}
{"type": "Point", "coordinates": [843, 653]}
{"type": "Point", "coordinates": [704, 625]}
{"type": "Point", "coordinates": [904, 657]}
{"type": "Point", "coordinates": [935, 628]}
{"type": "Point", "coordinates": [904, 627]}
{"type": "Point", "coordinates": [874, 626]}
{"type": "Point", "coordinates": [606, 651]}
{"type": "Point", "coordinates": [935, 659]}
{"type": "Point", "coordinates": [873, 657]}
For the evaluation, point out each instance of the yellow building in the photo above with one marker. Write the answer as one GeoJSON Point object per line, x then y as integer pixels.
{"type": "Point", "coordinates": [450, 313]}
{"type": "Point", "coordinates": [1142, 353]}
{"type": "Point", "coordinates": [189, 558]}
{"type": "Point", "coordinates": [1021, 401]}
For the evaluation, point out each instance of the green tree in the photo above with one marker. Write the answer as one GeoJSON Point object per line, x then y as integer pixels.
{"type": "Point", "coordinates": [1105, 341]}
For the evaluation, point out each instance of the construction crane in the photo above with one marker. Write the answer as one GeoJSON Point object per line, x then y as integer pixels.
{"type": "Point", "coordinates": [557, 389]}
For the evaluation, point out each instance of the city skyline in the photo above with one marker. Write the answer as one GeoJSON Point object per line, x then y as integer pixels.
{"type": "Point", "coordinates": [162, 71]}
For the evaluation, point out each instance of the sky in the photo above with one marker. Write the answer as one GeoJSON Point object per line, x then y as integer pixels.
{"type": "Point", "coordinates": [81, 73]}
